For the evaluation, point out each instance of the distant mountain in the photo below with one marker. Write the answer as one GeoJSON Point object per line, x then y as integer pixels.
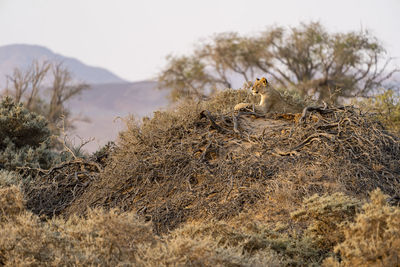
{"type": "Point", "coordinates": [106, 105]}
{"type": "Point", "coordinates": [22, 56]}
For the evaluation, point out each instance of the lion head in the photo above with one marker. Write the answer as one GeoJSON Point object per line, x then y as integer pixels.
{"type": "Point", "coordinates": [259, 86]}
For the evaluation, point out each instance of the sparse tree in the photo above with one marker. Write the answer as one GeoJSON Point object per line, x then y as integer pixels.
{"type": "Point", "coordinates": [62, 90]}
{"type": "Point", "coordinates": [38, 73]}
{"type": "Point", "coordinates": [186, 77]}
{"type": "Point", "coordinates": [27, 84]}
{"type": "Point", "coordinates": [45, 98]}
{"type": "Point", "coordinates": [307, 58]}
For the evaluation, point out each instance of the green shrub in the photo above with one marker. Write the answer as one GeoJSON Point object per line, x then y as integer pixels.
{"type": "Point", "coordinates": [24, 137]}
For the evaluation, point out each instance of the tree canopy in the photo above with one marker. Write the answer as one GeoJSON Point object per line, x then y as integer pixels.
{"type": "Point", "coordinates": [306, 58]}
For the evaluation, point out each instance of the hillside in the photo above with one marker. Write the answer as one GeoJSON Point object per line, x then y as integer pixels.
{"type": "Point", "coordinates": [22, 55]}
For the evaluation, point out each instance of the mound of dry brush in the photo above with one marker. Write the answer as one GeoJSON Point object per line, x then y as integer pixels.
{"type": "Point", "coordinates": [202, 161]}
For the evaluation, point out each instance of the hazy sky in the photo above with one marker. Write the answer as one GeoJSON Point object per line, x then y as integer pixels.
{"type": "Point", "coordinates": [132, 38]}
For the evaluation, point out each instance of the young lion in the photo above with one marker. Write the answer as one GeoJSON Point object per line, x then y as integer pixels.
{"type": "Point", "coordinates": [271, 99]}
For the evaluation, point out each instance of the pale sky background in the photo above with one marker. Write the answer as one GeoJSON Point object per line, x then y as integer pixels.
{"type": "Point", "coordinates": [132, 38]}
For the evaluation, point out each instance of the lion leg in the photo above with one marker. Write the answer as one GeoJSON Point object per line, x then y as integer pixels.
{"type": "Point", "coordinates": [268, 106]}
{"type": "Point", "coordinates": [243, 106]}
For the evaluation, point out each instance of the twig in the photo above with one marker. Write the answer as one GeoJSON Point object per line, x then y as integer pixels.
{"type": "Point", "coordinates": [203, 155]}
{"type": "Point", "coordinates": [207, 114]}
{"type": "Point", "coordinates": [230, 189]}
{"type": "Point", "coordinates": [305, 142]}
{"type": "Point", "coordinates": [236, 123]}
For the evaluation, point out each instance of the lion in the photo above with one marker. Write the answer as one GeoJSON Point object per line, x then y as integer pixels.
{"type": "Point", "coordinates": [271, 99]}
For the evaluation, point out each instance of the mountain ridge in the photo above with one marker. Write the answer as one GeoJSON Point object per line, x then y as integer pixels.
{"type": "Point", "coordinates": [22, 55]}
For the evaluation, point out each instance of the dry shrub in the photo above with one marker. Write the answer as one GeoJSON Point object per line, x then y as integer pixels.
{"type": "Point", "coordinates": [292, 248]}
{"type": "Point", "coordinates": [374, 238]}
{"type": "Point", "coordinates": [11, 203]}
{"type": "Point", "coordinates": [25, 241]}
{"type": "Point", "coordinates": [100, 239]}
{"type": "Point", "coordinates": [184, 251]}
{"type": "Point", "coordinates": [104, 238]}
{"type": "Point", "coordinates": [111, 238]}
{"type": "Point", "coordinates": [327, 217]}
{"type": "Point", "coordinates": [219, 244]}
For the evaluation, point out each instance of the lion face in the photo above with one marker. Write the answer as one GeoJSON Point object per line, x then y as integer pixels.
{"type": "Point", "coordinates": [259, 86]}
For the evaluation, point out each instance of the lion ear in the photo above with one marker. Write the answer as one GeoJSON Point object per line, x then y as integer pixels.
{"type": "Point", "coordinates": [258, 79]}
{"type": "Point", "coordinates": [264, 80]}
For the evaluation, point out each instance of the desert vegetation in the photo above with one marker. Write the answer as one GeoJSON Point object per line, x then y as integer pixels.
{"type": "Point", "coordinates": [203, 185]}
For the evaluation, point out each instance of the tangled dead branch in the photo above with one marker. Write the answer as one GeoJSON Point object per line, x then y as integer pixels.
{"type": "Point", "coordinates": [55, 189]}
